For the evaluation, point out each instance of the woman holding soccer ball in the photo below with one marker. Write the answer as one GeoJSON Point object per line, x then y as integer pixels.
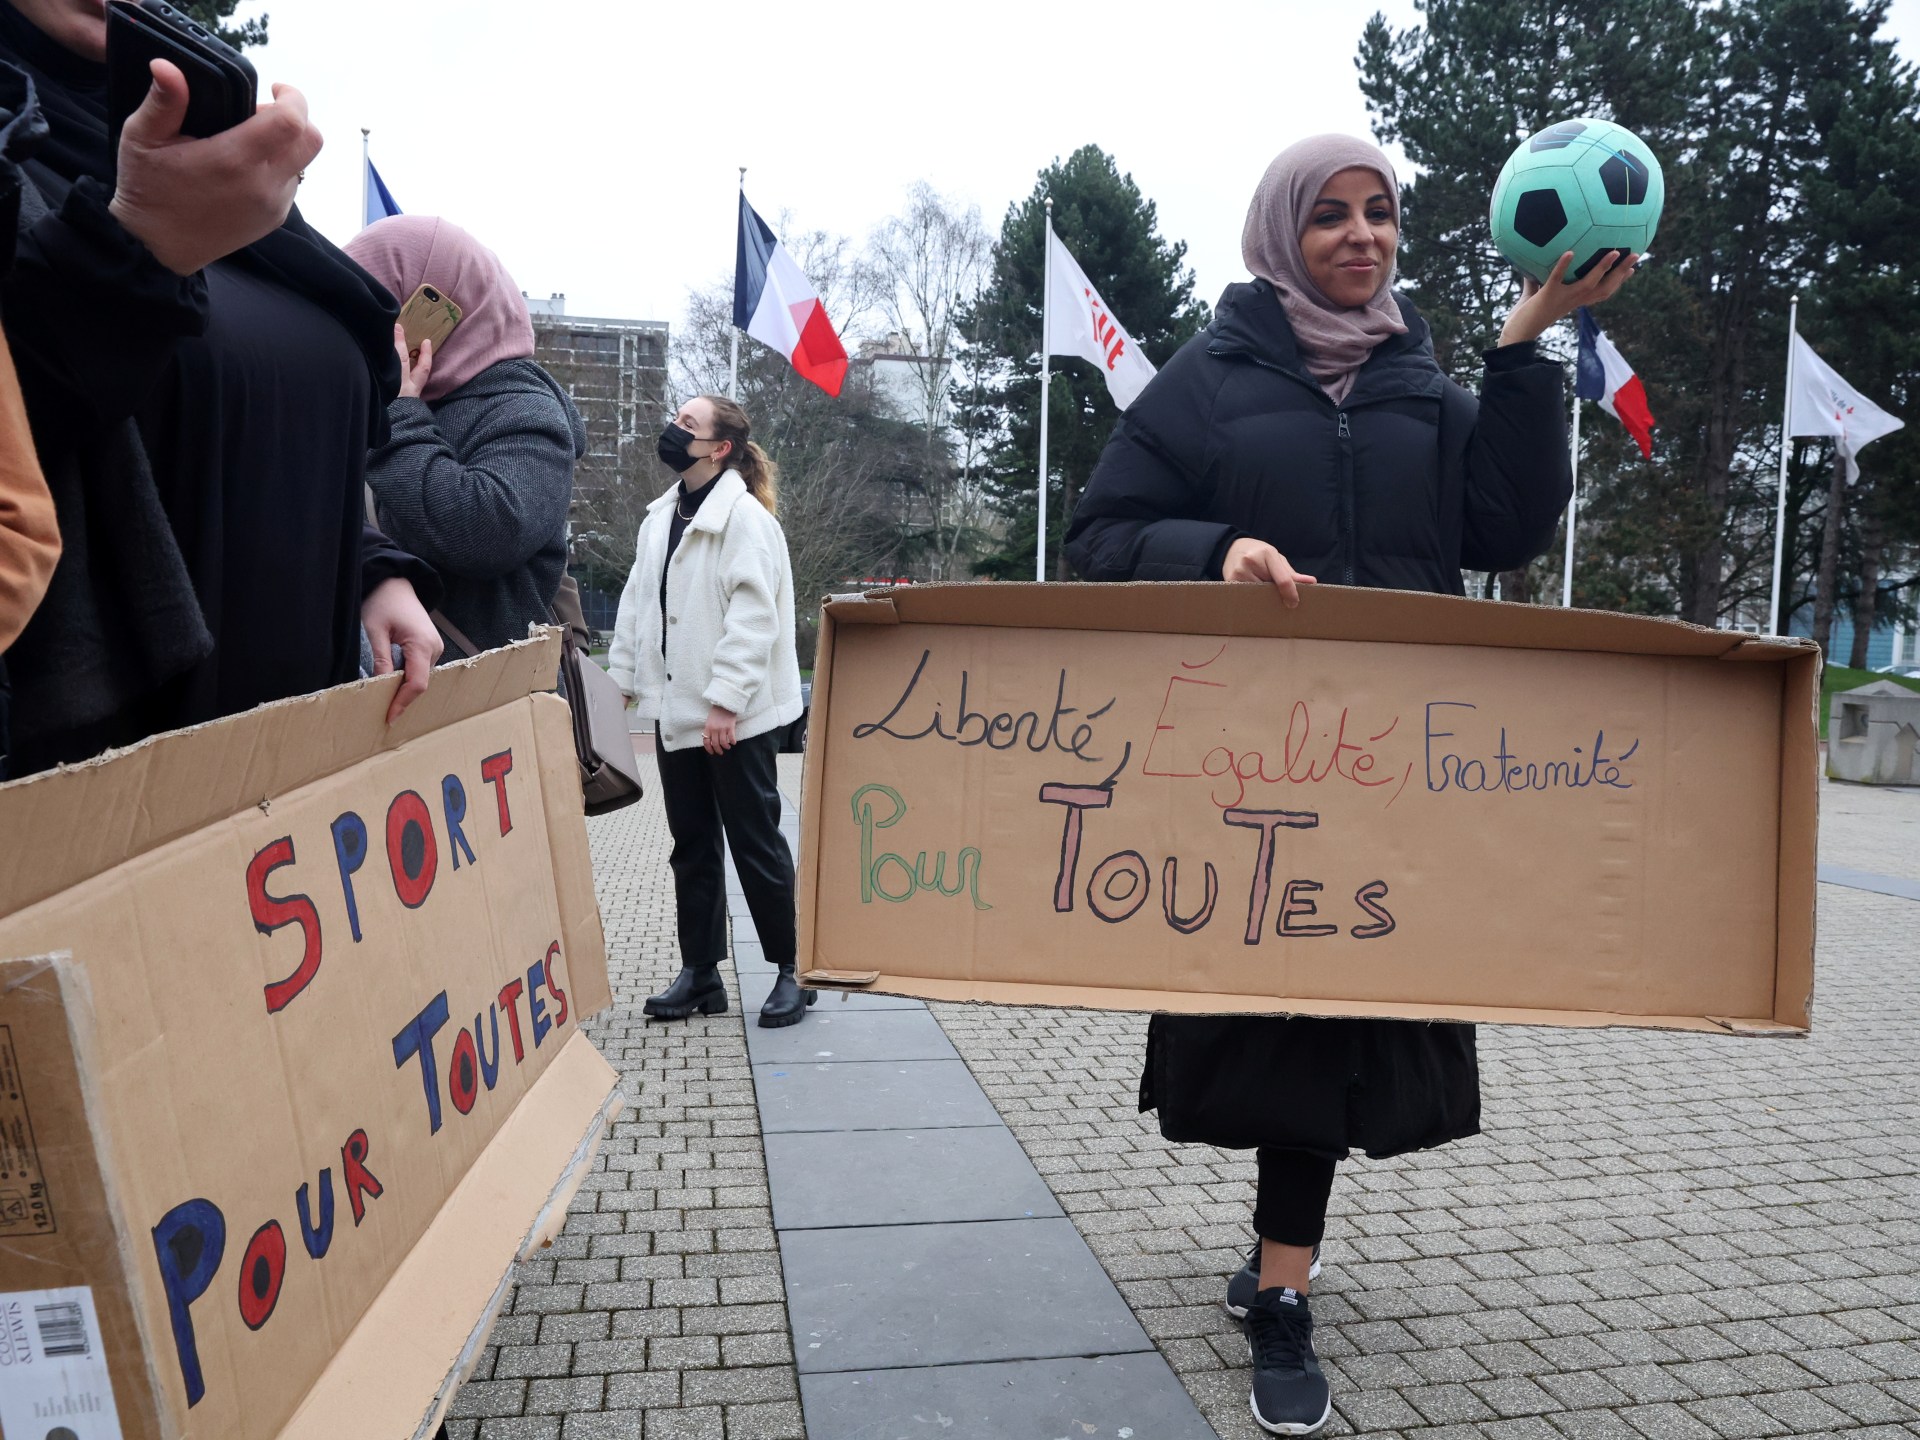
{"type": "Point", "coordinates": [1307, 436]}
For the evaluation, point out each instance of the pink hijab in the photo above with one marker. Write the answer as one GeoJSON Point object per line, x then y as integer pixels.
{"type": "Point", "coordinates": [1334, 341]}
{"type": "Point", "coordinates": [404, 252]}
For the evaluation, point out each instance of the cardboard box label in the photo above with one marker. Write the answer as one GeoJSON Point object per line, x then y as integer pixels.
{"type": "Point", "coordinates": [26, 1207]}
{"type": "Point", "coordinates": [1243, 822]}
{"type": "Point", "coordinates": [53, 1367]}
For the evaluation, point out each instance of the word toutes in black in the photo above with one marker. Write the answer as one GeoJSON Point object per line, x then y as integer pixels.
{"type": "Point", "coordinates": [1118, 886]}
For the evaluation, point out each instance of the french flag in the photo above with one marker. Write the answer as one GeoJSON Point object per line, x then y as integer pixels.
{"type": "Point", "coordinates": [1600, 373]}
{"type": "Point", "coordinates": [774, 302]}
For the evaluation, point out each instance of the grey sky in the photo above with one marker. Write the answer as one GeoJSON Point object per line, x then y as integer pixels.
{"type": "Point", "coordinates": [595, 143]}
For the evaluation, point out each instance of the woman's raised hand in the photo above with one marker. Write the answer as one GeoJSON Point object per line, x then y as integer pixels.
{"type": "Point", "coordinates": [1542, 307]}
{"type": "Point", "coordinates": [192, 202]}
{"type": "Point", "coordinates": [1251, 561]}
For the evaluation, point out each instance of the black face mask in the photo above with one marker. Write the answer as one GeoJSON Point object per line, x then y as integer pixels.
{"type": "Point", "coordinates": [672, 449]}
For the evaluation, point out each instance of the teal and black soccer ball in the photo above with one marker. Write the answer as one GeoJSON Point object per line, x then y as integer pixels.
{"type": "Point", "coordinates": [1589, 186]}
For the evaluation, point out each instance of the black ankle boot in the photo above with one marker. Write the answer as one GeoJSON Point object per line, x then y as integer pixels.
{"type": "Point", "coordinates": [786, 1003]}
{"type": "Point", "coordinates": [696, 987]}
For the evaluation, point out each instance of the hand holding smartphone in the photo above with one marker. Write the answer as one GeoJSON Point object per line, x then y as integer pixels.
{"type": "Point", "coordinates": [223, 90]}
{"type": "Point", "coordinates": [427, 319]}
{"type": "Point", "coordinates": [428, 315]}
{"type": "Point", "coordinates": [201, 170]}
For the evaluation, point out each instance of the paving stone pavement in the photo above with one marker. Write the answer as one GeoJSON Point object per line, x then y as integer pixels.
{"type": "Point", "coordinates": [931, 1277]}
{"type": "Point", "coordinates": [1659, 1235]}
{"type": "Point", "coordinates": [1871, 827]}
{"type": "Point", "coordinates": [660, 1311]}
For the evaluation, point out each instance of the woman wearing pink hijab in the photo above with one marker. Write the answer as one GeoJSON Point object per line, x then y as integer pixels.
{"type": "Point", "coordinates": [478, 473]}
{"type": "Point", "coordinates": [1307, 436]}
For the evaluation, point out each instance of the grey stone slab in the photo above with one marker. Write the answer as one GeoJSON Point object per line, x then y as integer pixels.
{"type": "Point", "coordinates": [1866, 880]}
{"type": "Point", "coordinates": [870, 1095]}
{"type": "Point", "coordinates": [843, 1036]}
{"type": "Point", "coordinates": [748, 957]}
{"type": "Point", "coordinates": [1104, 1396]}
{"type": "Point", "coordinates": [903, 1177]}
{"type": "Point", "coordinates": [889, 1297]}
{"type": "Point", "coordinates": [756, 979]}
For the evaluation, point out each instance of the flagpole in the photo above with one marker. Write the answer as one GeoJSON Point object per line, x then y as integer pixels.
{"type": "Point", "coordinates": [1046, 383]}
{"type": "Point", "coordinates": [733, 356]}
{"type": "Point", "coordinates": [1775, 620]}
{"type": "Point", "coordinates": [366, 165]}
{"type": "Point", "coordinates": [1573, 509]}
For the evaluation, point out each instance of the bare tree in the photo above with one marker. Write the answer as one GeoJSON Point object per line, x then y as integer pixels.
{"type": "Point", "coordinates": [977, 432]}
{"type": "Point", "coordinates": [927, 264]}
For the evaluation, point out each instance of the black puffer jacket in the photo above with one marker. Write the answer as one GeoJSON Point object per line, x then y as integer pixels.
{"type": "Point", "coordinates": [1401, 486]}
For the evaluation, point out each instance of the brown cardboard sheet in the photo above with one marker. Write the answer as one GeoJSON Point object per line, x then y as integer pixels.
{"type": "Point", "coordinates": [305, 1033]}
{"type": "Point", "coordinates": [1188, 798]}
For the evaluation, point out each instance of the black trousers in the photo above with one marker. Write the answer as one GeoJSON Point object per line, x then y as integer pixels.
{"type": "Point", "coordinates": [715, 803]}
{"type": "Point", "coordinates": [1290, 1207]}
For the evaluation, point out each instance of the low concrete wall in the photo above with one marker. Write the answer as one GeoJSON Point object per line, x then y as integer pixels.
{"type": "Point", "coordinates": [1873, 735]}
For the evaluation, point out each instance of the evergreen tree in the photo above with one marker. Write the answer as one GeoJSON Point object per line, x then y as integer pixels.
{"type": "Point", "coordinates": [1866, 318]}
{"type": "Point", "coordinates": [1112, 230]}
{"type": "Point", "coordinates": [214, 14]}
{"type": "Point", "coordinates": [1745, 103]}
{"type": "Point", "coordinates": [1458, 93]}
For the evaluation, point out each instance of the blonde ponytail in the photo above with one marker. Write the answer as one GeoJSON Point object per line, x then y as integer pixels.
{"type": "Point", "coordinates": [762, 477]}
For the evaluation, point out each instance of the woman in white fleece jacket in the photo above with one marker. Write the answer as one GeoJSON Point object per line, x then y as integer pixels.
{"type": "Point", "coordinates": [704, 647]}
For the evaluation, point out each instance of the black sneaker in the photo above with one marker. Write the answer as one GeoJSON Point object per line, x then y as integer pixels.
{"type": "Point", "coordinates": [1290, 1395]}
{"type": "Point", "coordinates": [1245, 1283]}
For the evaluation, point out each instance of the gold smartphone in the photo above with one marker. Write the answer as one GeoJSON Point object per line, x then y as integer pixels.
{"type": "Point", "coordinates": [429, 315]}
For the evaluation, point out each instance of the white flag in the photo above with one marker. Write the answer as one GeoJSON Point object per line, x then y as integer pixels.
{"type": "Point", "coordinates": [1079, 323]}
{"type": "Point", "coordinates": [1824, 404]}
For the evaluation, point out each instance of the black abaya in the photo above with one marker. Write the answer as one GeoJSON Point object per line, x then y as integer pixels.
{"type": "Point", "coordinates": [268, 516]}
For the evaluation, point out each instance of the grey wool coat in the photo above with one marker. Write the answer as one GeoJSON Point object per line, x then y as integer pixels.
{"type": "Point", "coordinates": [478, 484]}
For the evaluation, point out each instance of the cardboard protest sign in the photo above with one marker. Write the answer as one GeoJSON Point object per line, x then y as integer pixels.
{"type": "Point", "coordinates": [291, 1067]}
{"type": "Point", "coordinates": [1188, 798]}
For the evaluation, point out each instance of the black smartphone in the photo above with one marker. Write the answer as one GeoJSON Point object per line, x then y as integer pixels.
{"type": "Point", "coordinates": [222, 88]}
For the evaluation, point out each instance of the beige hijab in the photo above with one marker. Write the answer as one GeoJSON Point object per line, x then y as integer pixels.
{"type": "Point", "coordinates": [1334, 341]}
